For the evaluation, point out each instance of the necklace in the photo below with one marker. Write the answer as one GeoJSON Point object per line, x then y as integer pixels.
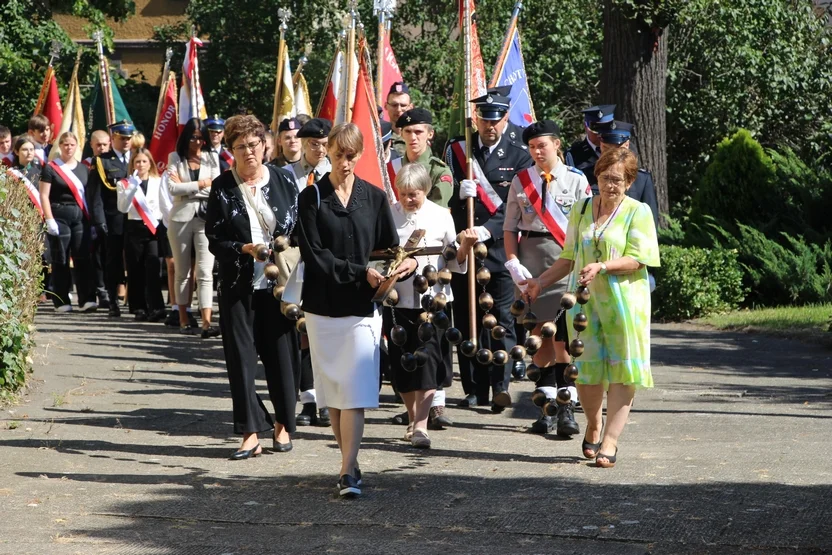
{"type": "Point", "coordinates": [597, 233]}
{"type": "Point", "coordinates": [343, 197]}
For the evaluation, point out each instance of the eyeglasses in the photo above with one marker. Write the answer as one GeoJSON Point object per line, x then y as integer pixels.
{"type": "Point", "coordinates": [246, 147]}
{"type": "Point", "coordinates": [196, 139]}
{"type": "Point", "coordinates": [315, 145]}
{"type": "Point", "coordinates": [618, 182]}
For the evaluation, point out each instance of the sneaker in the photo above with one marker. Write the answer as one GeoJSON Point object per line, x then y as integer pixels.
{"type": "Point", "coordinates": [308, 416]}
{"type": "Point", "coordinates": [566, 421]}
{"type": "Point", "coordinates": [210, 332]}
{"type": "Point", "coordinates": [348, 487]}
{"type": "Point", "coordinates": [420, 439]}
{"type": "Point", "coordinates": [437, 419]}
{"type": "Point", "coordinates": [89, 306]}
{"type": "Point", "coordinates": [543, 425]}
{"type": "Point", "coordinates": [140, 316]}
{"type": "Point", "coordinates": [64, 308]}
{"type": "Point", "coordinates": [173, 319]}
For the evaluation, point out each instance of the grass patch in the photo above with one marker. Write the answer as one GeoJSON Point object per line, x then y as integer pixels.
{"type": "Point", "coordinates": [810, 322]}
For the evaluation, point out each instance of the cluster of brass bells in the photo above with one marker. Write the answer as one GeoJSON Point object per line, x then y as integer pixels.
{"type": "Point", "coordinates": [262, 253]}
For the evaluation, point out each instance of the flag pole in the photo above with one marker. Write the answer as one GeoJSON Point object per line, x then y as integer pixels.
{"type": "Point", "coordinates": [104, 77]}
{"type": "Point", "coordinates": [350, 85]}
{"type": "Point", "coordinates": [50, 74]}
{"type": "Point", "coordinates": [283, 15]}
{"type": "Point", "coordinates": [469, 203]}
{"type": "Point", "coordinates": [164, 87]}
{"type": "Point", "coordinates": [501, 59]}
{"type": "Point", "coordinates": [301, 62]}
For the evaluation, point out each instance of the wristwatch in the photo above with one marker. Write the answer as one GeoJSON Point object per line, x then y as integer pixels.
{"type": "Point", "coordinates": [603, 269]}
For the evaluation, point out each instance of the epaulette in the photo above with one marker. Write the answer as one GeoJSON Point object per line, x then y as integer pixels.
{"type": "Point", "coordinates": [575, 170]}
{"type": "Point", "coordinates": [518, 145]}
{"type": "Point", "coordinates": [644, 170]}
{"type": "Point", "coordinates": [439, 161]}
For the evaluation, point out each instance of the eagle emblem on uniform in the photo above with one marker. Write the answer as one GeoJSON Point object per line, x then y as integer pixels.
{"type": "Point", "coordinates": [489, 99]}
{"type": "Point", "coordinates": [500, 152]}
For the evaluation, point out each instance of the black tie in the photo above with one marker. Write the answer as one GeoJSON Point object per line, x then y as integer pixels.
{"type": "Point", "coordinates": [485, 151]}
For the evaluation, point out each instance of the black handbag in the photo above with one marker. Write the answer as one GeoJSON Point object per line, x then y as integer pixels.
{"type": "Point", "coordinates": [202, 209]}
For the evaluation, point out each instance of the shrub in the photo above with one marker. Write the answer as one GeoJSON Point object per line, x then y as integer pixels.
{"type": "Point", "coordinates": [20, 281]}
{"type": "Point", "coordinates": [694, 282]}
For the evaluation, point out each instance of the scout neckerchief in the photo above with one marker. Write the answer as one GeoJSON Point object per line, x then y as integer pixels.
{"type": "Point", "coordinates": [485, 191]}
{"type": "Point", "coordinates": [74, 184]}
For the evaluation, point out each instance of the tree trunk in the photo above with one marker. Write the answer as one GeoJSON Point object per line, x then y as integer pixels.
{"type": "Point", "coordinates": [634, 77]}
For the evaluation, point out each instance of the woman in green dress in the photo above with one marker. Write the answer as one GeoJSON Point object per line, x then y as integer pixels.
{"type": "Point", "coordinates": [611, 239]}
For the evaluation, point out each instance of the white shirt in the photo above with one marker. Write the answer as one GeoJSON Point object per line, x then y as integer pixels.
{"type": "Point", "coordinates": [490, 148]}
{"type": "Point", "coordinates": [157, 199]}
{"type": "Point", "coordinates": [258, 234]}
{"type": "Point", "coordinates": [439, 232]}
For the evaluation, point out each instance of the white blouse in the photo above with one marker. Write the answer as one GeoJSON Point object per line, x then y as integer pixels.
{"type": "Point", "coordinates": [258, 234]}
{"type": "Point", "coordinates": [439, 232]}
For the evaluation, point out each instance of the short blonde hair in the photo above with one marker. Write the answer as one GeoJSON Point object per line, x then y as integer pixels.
{"type": "Point", "coordinates": [413, 176]}
{"type": "Point", "coordinates": [346, 138]}
{"type": "Point", "coordinates": [67, 135]}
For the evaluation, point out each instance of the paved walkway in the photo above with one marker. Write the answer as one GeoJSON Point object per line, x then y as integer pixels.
{"type": "Point", "coordinates": [121, 445]}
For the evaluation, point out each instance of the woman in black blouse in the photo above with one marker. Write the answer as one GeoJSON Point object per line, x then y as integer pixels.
{"type": "Point", "coordinates": [252, 204]}
{"type": "Point", "coordinates": [69, 211]}
{"type": "Point", "coordinates": [341, 220]}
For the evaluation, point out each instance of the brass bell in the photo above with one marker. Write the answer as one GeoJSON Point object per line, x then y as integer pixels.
{"type": "Point", "coordinates": [570, 373]}
{"type": "Point", "coordinates": [426, 303]}
{"type": "Point", "coordinates": [392, 297]}
{"type": "Point", "coordinates": [271, 271]}
{"type": "Point", "coordinates": [539, 398]}
{"type": "Point", "coordinates": [499, 333]}
{"type": "Point", "coordinates": [500, 357]}
{"type": "Point", "coordinates": [582, 293]}
{"type": "Point", "coordinates": [431, 274]}
{"type": "Point", "coordinates": [533, 344]}
{"type": "Point", "coordinates": [576, 348]}
{"type": "Point", "coordinates": [548, 330]}
{"type": "Point", "coordinates": [281, 243]}
{"type": "Point", "coordinates": [261, 252]}
{"type": "Point", "coordinates": [301, 325]}
{"type": "Point", "coordinates": [449, 253]}
{"type": "Point", "coordinates": [421, 355]}
{"type": "Point", "coordinates": [518, 307]}
{"type": "Point", "coordinates": [489, 321]}
{"type": "Point", "coordinates": [564, 396]}
{"type": "Point", "coordinates": [533, 372]}
{"type": "Point", "coordinates": [468, 348]}
{"type": "Point", "coordinates": [486, 302]}
{"type": "Point", "coordinates": [454, 336]}
{"type": "Point", "coordinates": [445, 276]}
{"type": "Point", "coordinates": [480, 251]}
{"type": "Point", "coordinates": [291, 311]}
{"type": "Point", "coordinates": [278, 291]}
{"type": "Point", "coordinates": [530, 321]}
{"type": "Point", "coordinates": [485, 357]}
{"type": "Point", "coordinates": [441, 320]}
{"type": "Point", "coordinates": [568, 300]}
{"type": "Point", "coordinates": [439, 302]}
{"type": "Point", "coordinates": [398, 335]}
{"type": "Point", "coordinates": [517, 353]}
{"type": "Point", "coordinates": [424, 317]}
{"type": "Point", "coordinates": [483, 276]}
{"type": "Point", "coordinates": [420, 283]}
{"type": "Point", "coordinates": [426, 332]}
{"type": "Point", "coordinates": [580, 321]}
{"type": "Point", "coordinates": [550, 408]}
{"type": "Point", "coordinates": [408, 361]}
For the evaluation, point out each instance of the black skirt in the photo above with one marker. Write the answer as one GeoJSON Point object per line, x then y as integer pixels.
{"type": "Point", "coordinates": [437, 372]}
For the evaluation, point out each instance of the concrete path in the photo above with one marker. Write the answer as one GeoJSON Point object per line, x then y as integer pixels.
{"type": "Point", "coordinates": [120, 447]}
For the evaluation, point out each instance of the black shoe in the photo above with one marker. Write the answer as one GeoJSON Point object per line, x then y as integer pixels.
{"type": "Point", "coordinates": [497, 409]}
{"type": "Point", "coordinates": [103, 303]}
{"type": "Point", "coordinates": [402, 419]}
{"type": "Point", "coordinates": [209, 332]}
{"type": "Point", "coordinates": [246, 453]}
{"type": "Point", "coordinates": [470, 401]}
{"type": "Point", "coordinates": [140, 316]}
{"type": "Point", "coordinates": [438, 420]}
{"type": "Point", "coordinates": [192, 320]}
{"type": "Point", "coordinates": [518, 371]}
{"type": "Point", "coordinates": [348, 487]}
{"type": "Point", "coordinates": [308, 416]}
{"type": "Point", "coordinates": [567, 426]}
{"type": "Point", "coordinates": [187, 330]}
{"type": "Point", "coordinates": [502, 399]}
{"type": "Point", "coordinates": [114, 311]}
{"type": "Point", "coordinates": [543, 425]}
{"type": "Point", "coordinates": [323, 417]}
{"type": "Point", "coordinates": [278, 447]}
{"type": "Point", "coordinates": [157, 315]}
{"type": "Point", "coordinates": [173, 319]}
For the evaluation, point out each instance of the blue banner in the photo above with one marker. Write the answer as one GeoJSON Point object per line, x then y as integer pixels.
{"type": "Point", "coordinates": [513, 73]}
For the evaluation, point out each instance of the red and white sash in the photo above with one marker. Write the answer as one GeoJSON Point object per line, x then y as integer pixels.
{"type": "Point", "coordinates": [87, 162]}
{"type": "Point", "coordinates": [485, 191]}
{"type": "Point", "coordinates": [554, 219]}
{"type": "Point", "coordinates": [393, 168]}
{"type": "Point", "coordinates": [141, 206]}
{"type": "Point", "coordinates": [34, 194]}
{"type": "Point", "coordinates": [40, 154]}
{"type": "Point", "coordinates": [75, 185]}
{"type": "Point", "coordinates": [7, 159]}
{"type": "Point", "coordinates": [227, 156]}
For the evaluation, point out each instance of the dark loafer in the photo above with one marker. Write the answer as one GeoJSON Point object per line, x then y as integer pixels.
{"type": "Point", "coordinates": [282, 447]}
{"type": "Point", "coordinates": [243, 454]}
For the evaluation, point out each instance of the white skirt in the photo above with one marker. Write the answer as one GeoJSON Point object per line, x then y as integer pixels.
{"type": "Point", "coordinates": [345, 360]}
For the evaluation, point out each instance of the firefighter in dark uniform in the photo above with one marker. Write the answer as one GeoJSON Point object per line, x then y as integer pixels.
{"type": "Point", "coordinates": [107, 170]}
{"type": "Point", "coordinates": [584, 153]}
{"type": "Point", "coordinates": [500, 159]}
{"type": "Point", "coordinates": [398, 102]}
{"type": "Point", "coordinates": [216, 134]}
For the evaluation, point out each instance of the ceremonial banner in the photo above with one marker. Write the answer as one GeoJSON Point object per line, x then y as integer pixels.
{"type": "Point", "coordinates": [97, 115]}
{"type": "Point", "coordinates": [191, 101]}
{"type": "Point", "coordinates": [49, 101]}
{"type": "Point", "coordinates": [329, 101]}
{"type": "Point", "coordinates": [302, 103]}
{"type": "Point", "coordinates": [165, 129]}
{"type": "Point", "coordinates": [459, 102]}
{"type": "Point", "coordinates": [345, 103]}
{"type": "Point", "coordinates": [511, 70]}
{"type": "Point", "coordinates": [390, 72]}
{"type": "Point", "coordinates": [73, 118]}
{"type": "Point", "coordinates": [284, 91]}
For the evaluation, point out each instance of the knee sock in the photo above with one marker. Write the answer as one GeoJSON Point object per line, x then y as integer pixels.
{"type": "Point", "coordinates": [438, 398]}
{"type": "Point", "coordinates": [307, 380]}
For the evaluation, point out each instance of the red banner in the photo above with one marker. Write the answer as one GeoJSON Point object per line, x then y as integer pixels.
{"type": "Point", "coordinates": [52, 106]}
{"type": "Point", "coordinates": [329, 103]}
{"type": "Point", "coordinates": [390, 72]}
{"type": "Point", "coordinates": [166, 131]}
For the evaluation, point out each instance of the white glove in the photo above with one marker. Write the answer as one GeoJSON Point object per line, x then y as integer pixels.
{"type": "Point", "coordinates": [483, 234]}
{"type": "Point", "coordinates": [518, 273]}
{"type": "Point", "coordinates": [467, 189]}
{"type": "Point", "coordinates": [134, 180]}
{"type": "Point", "coordinates": [52, 227]}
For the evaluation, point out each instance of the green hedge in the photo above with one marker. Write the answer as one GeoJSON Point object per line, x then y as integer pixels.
{"type": "Point", "coordinates": [20, 282]}
{"type": "Point", "coordinates": [694, 282]}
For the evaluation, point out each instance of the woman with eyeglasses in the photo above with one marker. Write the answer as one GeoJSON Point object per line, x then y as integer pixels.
{"type": "Point", "coordinates": [191, 169]}
{"type": "Point", "coordinates": [252, 204]}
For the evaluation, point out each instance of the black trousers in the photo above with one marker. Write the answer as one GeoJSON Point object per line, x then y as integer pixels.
{"type": "Point", "coordinates": [141, 251]}
{"type": "Point", "coordinates": [74, 241]}
{"type": "Point", "coordinates": [99, 254]}
{"type": "Point", "coordinates": [476, 378]}
{"type": "Point", "coordinates": [114, 256]}
{"type": "Point", "coordinates": [253, 325]}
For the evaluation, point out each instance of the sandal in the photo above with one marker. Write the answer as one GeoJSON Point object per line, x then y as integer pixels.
{"type": "Point", "coordinates": [610, 459]}
{"type": "Point", "coordinates": [420, 439]}
{"type": "Point", "coordinates": [409, 433]}
{"type": "Point", "coordinates": [590, 450]}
